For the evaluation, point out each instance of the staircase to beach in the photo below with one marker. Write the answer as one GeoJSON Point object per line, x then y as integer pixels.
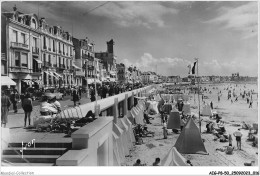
{"type": "Point", "coordinates": [44, 154]}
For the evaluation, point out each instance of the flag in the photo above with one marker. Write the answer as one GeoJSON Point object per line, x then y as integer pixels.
{"type": "Point", "coordinates": [189, 66]}
{"type": "Point", "coordinates": [193, 68]}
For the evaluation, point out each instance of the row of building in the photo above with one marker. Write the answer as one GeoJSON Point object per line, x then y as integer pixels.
{"type": "Point", "coordinates": [35, 54]}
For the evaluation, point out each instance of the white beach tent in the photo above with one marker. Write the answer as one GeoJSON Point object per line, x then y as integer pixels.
{"type": "Point", "coordinates": [173, 158]}
{"type": "Point", "coordinates": [153, 106]}
{"type": "Point", "coordinates": [206, 111]}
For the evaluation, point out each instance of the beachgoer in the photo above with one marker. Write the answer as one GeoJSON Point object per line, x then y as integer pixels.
{"type": "Point", "coordinates": [238, 136]}
{"type": "Point", "coordinates": [211, 105]}
{"type": "Point", "coordinates": [164, 129]}
{"type": "Point", "coordinates": [230, 139]}
{"type": "Point", "coordinates": [157, 162]}
{"type": "Point", "coordinates": [5, 105]}
{"type": "Point", "coordinates": [189, 163]}
{"type": "Point", "coordinates": [250, 104]}
{"type": "Point", "coordinates": [229, 149]}
{"type": "Point", "coordinates": [137, 163]}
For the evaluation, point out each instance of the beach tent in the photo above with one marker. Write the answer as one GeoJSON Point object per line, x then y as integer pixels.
{"type": "Point", "coordinates": [123, 146]}
{"type": "Point", "coordinates": [174, 121]}
{"type": "Point", "coordinates": [116, 157]}
{"type": "Point", "coordinates": [186, 109]}
{"type": "Point", "coordinates": [130, 116]}
{"type": "Point", "coordinates": [153, 106]}
{"type": "Point", "coordinates": [189, 141]}
{"type": "Point", "coordinates": [206, 110]}
{"type": "Point", "coordinates": [173, 158]}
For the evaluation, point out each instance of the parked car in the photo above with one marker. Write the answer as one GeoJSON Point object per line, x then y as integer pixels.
{"type": "Point", "coordinates": [59, 96]}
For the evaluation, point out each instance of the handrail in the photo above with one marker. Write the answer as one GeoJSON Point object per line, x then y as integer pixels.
{"type": "Point", "coordinates": [107, 102]}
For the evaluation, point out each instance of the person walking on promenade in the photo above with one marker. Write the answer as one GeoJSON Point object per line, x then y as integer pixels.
{"type": "Point", "coordinates": [104, 92]}
{"type": "Point", "coordinates": [75, 97]}
{"type": "Point", "coordinates": [92, 94]}
{"type": "Point", "coordinates": [80, 92]}
{"type": "Point", "coordinates": [5, 105]}
{"type": "Point", "coordinates": [14, 97]}
{"type": "Point", "coordinates": [27, 107]}
{"type": "Point", "coordinates": [238, 136]}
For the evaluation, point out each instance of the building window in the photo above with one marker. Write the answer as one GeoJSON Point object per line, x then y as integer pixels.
{"type": "Point", "coordinates": [23, 38]}
{"type": "Point", "coordinates": [17, 59]}
{"type": "Point", "coordinates": [24, 59]}
{"type": "Point", "coordinates": [15, 36]}
{"type": "Point", "coordinates": [33, 25]}
{"type": "Point", "coordinates": [3, 67]}
{"type": "Point", "coordinates": [34, 42]}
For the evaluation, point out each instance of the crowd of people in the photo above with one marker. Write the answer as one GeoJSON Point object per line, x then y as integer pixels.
{"type": "Point", "coordinates": [11, 97]}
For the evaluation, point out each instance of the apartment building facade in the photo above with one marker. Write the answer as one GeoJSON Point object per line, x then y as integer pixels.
{"type": "Point", "coordinates": [22, 41]}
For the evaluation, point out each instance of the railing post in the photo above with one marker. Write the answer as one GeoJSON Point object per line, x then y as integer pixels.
{"type": "Point", "coordinates": [132, 99]}
{"type": "Point", "coordinates": [125, 104]}
{"type": "Point", "coordinates": [97, 110]}
{"type": "Point", "coordinates": [115, 110]}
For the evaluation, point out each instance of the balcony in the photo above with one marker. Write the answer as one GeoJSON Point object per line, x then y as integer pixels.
{"type": "Point", "coordinates": [35, 51]}
{"type": "Point", "coordinates": [36, 71]}
{"type": "Point", "coordinates": [19, 45]}
{"type": "Point", "coordinates": [54, 50]}
{"type": "Point", "coordinates": [44, 47]}
{"type": "Point", "coordinates": [60, 51]}
{"type": "Point", "coordinates": [49, 49]}
{"type": "Point", "coordinates": [20, 70]}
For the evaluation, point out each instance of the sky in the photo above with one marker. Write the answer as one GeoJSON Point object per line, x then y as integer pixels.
{"type": "Point", "coordinates": [162, 36]}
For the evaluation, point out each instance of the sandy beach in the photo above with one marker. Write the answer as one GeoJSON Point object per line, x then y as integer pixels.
{"type": "Point", "coordinates": [231, 113]}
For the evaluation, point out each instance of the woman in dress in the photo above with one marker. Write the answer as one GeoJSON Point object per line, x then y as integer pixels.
{"type": "Point", "coordinates": [27, 107]}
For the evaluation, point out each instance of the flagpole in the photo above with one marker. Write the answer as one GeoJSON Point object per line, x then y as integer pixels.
{"type": "Point", "coordinates": [198, 90]}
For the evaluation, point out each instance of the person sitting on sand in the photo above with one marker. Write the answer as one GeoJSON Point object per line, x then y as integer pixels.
{"type": "Point", "coordinates": [229, 150]}
{"type": "Point", "coordinates": [157, 162]}
{"type": "Point", "coordinates": [189, 163]}
{"type": "Point", "coordinates": [137, 163]}
{"type": "Point", "coordinates": [230, 140]}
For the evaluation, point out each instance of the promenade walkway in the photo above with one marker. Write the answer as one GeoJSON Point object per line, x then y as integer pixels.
{"type": "Point", "coordinates": [18, 133]}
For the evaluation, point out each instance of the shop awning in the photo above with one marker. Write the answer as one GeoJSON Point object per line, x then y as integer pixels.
{"type": "Point", "coordinates": [57, 74]}
{"type": "Point", "coordinates": [75, 66]}
{"type": "Point", "coordinates": [6, 81]}
{"type": "Point", "coordinates": [38, 82]}
{"type": "Point", "coordinates": [52, 74]}
{"type": "Point", "coordinates": [38, 60]}
{"type": "Point", "coordinates": [27, 81]}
